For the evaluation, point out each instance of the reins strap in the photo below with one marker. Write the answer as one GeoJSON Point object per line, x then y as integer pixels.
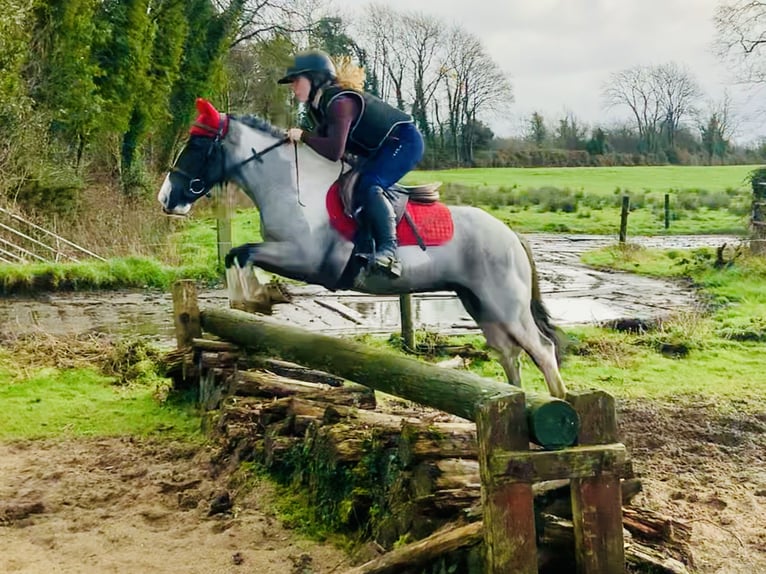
{"type": "Point", "coordinates": [297, 175]}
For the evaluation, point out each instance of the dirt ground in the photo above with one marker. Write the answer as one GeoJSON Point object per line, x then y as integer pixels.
{"type": "Point", "coordinates": [120, 506]}
{"type": "Point", "coordinates": [117, 505]}
{"type": "Point", "coordinates": [707, 470]}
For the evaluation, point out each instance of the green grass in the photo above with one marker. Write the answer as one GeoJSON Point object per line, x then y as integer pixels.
{"type": "Point", "coordinates": [596, 180]}
{"type": "Point", "coordinates": [712, 355]}
{"type": "Point", "coordinates": [81, 402]}
{"type": "Point", "coordinates": [52, 387]}
{"type": "Point", "coordinates": [125, 272]}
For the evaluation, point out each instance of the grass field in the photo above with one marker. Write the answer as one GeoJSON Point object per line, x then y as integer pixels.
{"type": "Point", "coordinates": [599, 180]}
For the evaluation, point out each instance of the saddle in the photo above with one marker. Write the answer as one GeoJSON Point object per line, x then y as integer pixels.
{"type": "Point", "coordinates": [399, 196]}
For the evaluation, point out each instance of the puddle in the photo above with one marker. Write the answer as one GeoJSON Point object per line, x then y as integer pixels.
{"type": "Point", "coordinates": [573, 294]}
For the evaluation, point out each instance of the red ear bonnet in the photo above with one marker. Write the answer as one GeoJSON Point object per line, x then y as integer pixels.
{"type": "Point", "coordinates": [209, 121]}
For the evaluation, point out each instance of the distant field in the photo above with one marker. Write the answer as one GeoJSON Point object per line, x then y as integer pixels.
{"type": "Point", "coordinates": [596, 180]}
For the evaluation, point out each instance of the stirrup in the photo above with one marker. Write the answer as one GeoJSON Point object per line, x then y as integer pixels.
{"type": "Point", "coordinates": [390, 264]}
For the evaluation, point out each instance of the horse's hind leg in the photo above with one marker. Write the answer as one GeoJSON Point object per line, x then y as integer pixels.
{"type": "Point", "coordinates": [496, 336]}
{"type": "Point", "coordinates": [497, 339]}
{"type": "Point", "coordinates": [540, 349]}
{"type": "Point", "coordinates": [513, 330]}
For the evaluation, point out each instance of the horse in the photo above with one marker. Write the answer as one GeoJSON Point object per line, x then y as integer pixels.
{"type": "Point", "coordinates": [487, 265]}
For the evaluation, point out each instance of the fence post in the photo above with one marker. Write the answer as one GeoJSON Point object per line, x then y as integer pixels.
{"type": "Point", "coordinates": [667, 211]}
{"type": "Point", "coordinates": [509, 521]}
{"type": "Point", "coordinates": [597, 500]}
{"type": "Point", "coordinates": [624, 218]}
{"type": "Point", "coordinates": [186, 315]}
{"type": "Point", "coordinates": [223, 223]}
{"type": "Point", "coordinates": [405, 313]}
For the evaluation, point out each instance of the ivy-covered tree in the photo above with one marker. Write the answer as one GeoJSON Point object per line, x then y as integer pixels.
{"type": "Point", "coordinates": [150, 108]}
{"type": "Point", "coordinates": [61, 72]}
{"type": "Point", "coordinates": [201, 70]}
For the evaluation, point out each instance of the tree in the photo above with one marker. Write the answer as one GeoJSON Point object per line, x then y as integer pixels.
{"type": "Point", "coordinates": [597, 143]}
{"type": "Point", "coordinates": [659, 97]}
{"type": "Point", "coordinates": [253, 70]}
{"type": "Point", "coordinates": [537, 131]}
{"type": "Point", "coordinates": [61, 72]}
{"type": "Point", "coordinates": [570, 134]}
{"type": "Point", "coordinates": [122, 52]}
{"type": "Point", "coordinates": [716, 128]}
{"type": "Point", "coordinates": [679, 90]}
{"type": "Point", "coordinates": [473, 84]}
{"type": "Point", "coordinates": [422, 39]}
{"type": "Point", "coordinates": [329, 34]}
{"type": "Point", "coordinates": [741, 38]}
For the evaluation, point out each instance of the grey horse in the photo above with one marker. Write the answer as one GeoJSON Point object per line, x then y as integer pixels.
{"type": "Point", "coordinates": [486, 264]}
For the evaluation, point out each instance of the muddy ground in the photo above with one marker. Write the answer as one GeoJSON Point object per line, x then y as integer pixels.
{"type": "Point", "coordinates": [573, 293]}
{"type": "Point", "coordinates": [120, 505]}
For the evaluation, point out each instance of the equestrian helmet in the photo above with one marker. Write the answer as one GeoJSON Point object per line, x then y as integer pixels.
{"type": "Point", "coordinates": [311, 63]}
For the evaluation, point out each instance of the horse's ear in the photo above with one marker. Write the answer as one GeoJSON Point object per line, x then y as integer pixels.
{"type": "Point", "coordinates": [207, 116]}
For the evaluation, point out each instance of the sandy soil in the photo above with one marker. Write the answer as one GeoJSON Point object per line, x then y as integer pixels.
{"type": "Point", "coordinates": [119, 506]}
{"type": "Point", "coordinates": [707, 470]}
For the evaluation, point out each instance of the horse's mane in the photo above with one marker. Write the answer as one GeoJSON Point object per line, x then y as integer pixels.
{"type": "Point", "coordinates": [262, 125]}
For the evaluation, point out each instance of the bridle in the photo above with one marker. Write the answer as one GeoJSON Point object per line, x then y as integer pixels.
{"type": "Point", "coordinates": [198, 186]}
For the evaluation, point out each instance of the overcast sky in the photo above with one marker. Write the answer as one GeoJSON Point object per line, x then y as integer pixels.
{"type": "Point", "coordinates": [559, 53]}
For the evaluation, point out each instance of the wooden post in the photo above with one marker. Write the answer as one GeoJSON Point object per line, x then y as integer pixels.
{"type": "Point", "coordinates": [186, 316]}
{"type": "Point", "coordinates": [509, 521]}
{"type": "Point", "coordinates": [597, 500]}
{"type": "Point", "coordinates": [408, 331]}
{"type": "Point", "coordinates": [667, 211]}
{"type": "Point", "coordinates": [223, 223]}
{"type": "Point", "coordinates": [624, 218]}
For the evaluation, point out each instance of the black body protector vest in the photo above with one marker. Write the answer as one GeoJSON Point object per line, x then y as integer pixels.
{"type": "Point", "coordinates": [375, 122]}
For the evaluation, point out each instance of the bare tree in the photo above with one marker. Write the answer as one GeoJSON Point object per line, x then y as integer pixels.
{"type": "Point", "coordinates": [473, 84]}
{"type": "Point", "coordinates": [679, 91]}
{"type": "Point", "coordinates": [422, 39]}
{"type": "Point", "coordinates": [382, 30]}
{"type": "Point", "coordinates": [659, 97]}
{"type": "Point", "coordinates": [636, 89]}
{"type": "Point", "coordinates": [262, 19]}
{"type": "Point", "coordinates": [741, 38]}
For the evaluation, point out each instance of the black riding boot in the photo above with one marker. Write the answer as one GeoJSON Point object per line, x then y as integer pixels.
{"type": "Point", "coordinates": [382, 221]}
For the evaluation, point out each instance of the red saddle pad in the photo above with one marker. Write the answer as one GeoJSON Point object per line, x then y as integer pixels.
{"type": "Point", "coordinates": [433, 221]}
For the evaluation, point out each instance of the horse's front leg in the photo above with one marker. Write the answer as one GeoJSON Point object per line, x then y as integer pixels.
{"type": "Point", "coordinates": [245, 291]}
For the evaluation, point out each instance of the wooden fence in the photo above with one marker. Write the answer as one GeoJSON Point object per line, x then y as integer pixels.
{"type": "Point", "coordinates": [523, 438]}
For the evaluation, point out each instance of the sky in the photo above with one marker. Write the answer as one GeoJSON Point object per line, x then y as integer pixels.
{"type": "Point", "coordinates": [558, 54]}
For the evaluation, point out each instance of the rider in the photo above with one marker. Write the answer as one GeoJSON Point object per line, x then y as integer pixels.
{"type": "Point", "coordinates": [349, 120]}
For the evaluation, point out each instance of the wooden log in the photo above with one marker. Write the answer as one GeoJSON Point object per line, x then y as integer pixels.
{"type": "Point", "coordinates": [266, 384]}
{"type": "Point", "coordinates": [421, 442]}
{"type": "Point", "coordinates": [424, 551]}
{"type": "Point", "coordinates": [213, 345]}
{"type": "Point", "coordinates": [558, 537]}
{"type": "Point", "coordinates": [301, 373]}
{"type": "Point", "coordinates": [652, 526]}
{"type": "Point", "coordinates": [444, 474]}
{"type": "Point", "coordinates": [539, 465]}
{"type": "Point", "coordinates": [454, 392]}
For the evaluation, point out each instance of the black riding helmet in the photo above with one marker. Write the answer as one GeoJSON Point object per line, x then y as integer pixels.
{"type": "Point", "coordinates": [314, 64]}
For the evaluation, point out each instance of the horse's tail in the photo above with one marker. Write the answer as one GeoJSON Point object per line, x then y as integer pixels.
{"type": "Point", "coordinates": [539, 311]}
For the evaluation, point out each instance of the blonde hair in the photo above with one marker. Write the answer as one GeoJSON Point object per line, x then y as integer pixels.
{"type": "Point", "coordinates": [349, 75]}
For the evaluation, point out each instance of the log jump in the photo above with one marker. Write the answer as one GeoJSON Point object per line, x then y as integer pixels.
{"type": "Point", "coordinates": [522, 438]}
